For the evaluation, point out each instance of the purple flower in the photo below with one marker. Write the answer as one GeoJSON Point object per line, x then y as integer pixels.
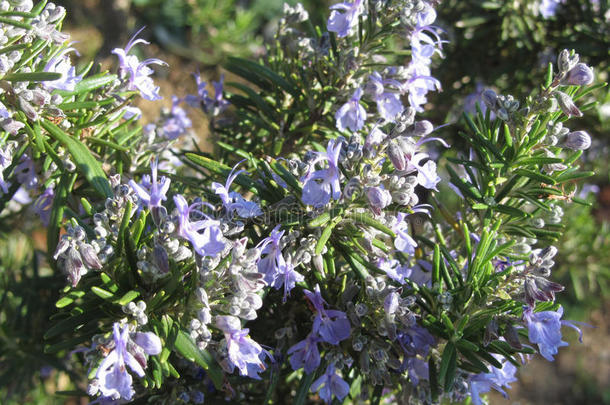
{"type": "Point", "coordinates": [273, 261]}
{"type": "Point", "coordinates": [178, 122]}
{"type": "Point", "coordinates": [544, 329]}
{"type": "Point", "coordinates": [321, 185]}
{"type": "Point", "coordinates": [579, 75]}
{"type": "Point", "coordinates": [391, 302]}
{"type": "Point", "coordinates": [43, 204]}
{"type": "Point", "coordinates": [218, 104]}
{"type": "Point", "coordinates": [115, 381]}
{"type": "Point", "coordinates": [415, 340]}
{"type": "Point", "coordinates": [60, 63]}
{"type": "Point", "coordinates": [404, 156]}
{"type": "Point", "coordinates": [305, 354]}
{"type": "Point", "coordinates": [388, 103]}
{"type": "Point", "coordinates": [342, 23]}
{"type": "Point", "coordinates": [416, 368]}
{"type": "Point", "coordinates": [403, 242]}
{"type": "Point", "coordinates": [130, 112]}
{"type": "Point", "coordinates": [426, 173]}
{"type": "Point", "coordinates": [540, 289]}
{"type": "Point", "coordinates": [242, 351]}
{"type": "Point", "coordinates": [496, 379]}
{"type": "Point", "coordinates": [213, 106]}
{"type": "Point", "coordinates": [548, 8]}
{"type": "Point", "coordinates": [425, 42]}
{"type": "Point", "coordinates": [233, 201]}
{"type": "Point", "coordinates": [330, 384]}
{"type": "Point", "coordinates": [276, 270]}
{"type": "Point", "coordinates": [209, 243]}
{"type": "Point", "coordinates": [196, 101]}
{"type": "Point", "coordinates": [351, 115]}
{"type": "Point", "coordinates": [138, 72]}
{"type": "Point", "coordinates": [332, 326]}
{"type": "Point", "coordinates": [152, 192]}
{"type": "Point", "coordinates": [421, 273]}
{"type": "Point", "coordinates": [6, 158]}
{"type": "Point", "coordinates": [25, 172]}
{"type": "Point", "coordinates": [394, 269]}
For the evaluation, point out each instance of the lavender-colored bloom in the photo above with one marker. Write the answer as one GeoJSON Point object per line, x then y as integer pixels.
{"type": "Point", "coordinates": [352, 114]}
{"type": "Point", "coordinates": [394, 270]}
{"type": "Point", "coordinates": [242, 351]}
{"type": "Point", "coordinates": [343, 22]}
{"type": "Point", "coordinates": [403, 242]}
{"type": "Point", "coordinates": [321, 185]}
{"type": "Point", "coordinates": [420, 273]}
{"type": "Point", "coordinates": [331, 325]}
{"type": "Point", "coordinates": [579, 75]}
{"type": "Point", "coordinates": [60, 63]}
{"type": "Point", "coordinates": [417, 369]}
{"type": "Point", "coordinates": [544, 329]}
{"type": "Point", "coordinates": [131, 112]}
{"type": "Point", "coordinates": [391, 302]}
{"type": "Point", "coordinates": [273, 261]}
{"type": "Point", "coordinates": [415, 340]}
{"type": "Point", "coordinates": [426, 173]}
{"type": "Point", "coordinates": [233, 201]}
{"type": "Point", "coordinates": [277, 272]}
{"type": "Point", "coordinates": [375, 137]}
{"type": "Point", "coordinates": [496, 379]}
{"type": "Point", "coordinates": [152, 192]}
{"type": "Point", "coordinates": [196, 101]}
{"type": "Point", "coordinates": [207, 244]}
{"type": "Point", "coordinates": [115, 381]}
{"type": "Point", "coordinates": [388, 103]}
{"type": "Point", "coordinates": [218, 104]}
{"type": "Point", "coordinates": [548, 8]}
{"type": "Point", "coordinates": [178, 122]}
{"type": "Point", "coordinates": [288, 278]}
{"type": "Point", "coordinates": [25, 172]}
{"type": "Point", "coordinates": [330, 384]}
{"type": "Point", "coordinates": [43, 204]}
{"type": "Point", "coordinates": [213, 106]}
{"type": "Point", "coordinates": [305, 354]}
{"type": "Point", "coordinates": [6, 158]}
{"type": "Point", "coordinates": [425, 42]}
{"type": "Point", "coordinates": [138, 72]}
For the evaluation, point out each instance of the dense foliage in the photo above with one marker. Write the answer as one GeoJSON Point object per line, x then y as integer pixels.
{"type": "Point", "coordinates": [316, 254]}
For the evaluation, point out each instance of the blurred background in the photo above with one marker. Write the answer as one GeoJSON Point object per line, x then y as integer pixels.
{"type": "Point", "coordinates": [492, 44]}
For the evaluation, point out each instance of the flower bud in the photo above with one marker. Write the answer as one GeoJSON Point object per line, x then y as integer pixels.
{"type": "Point", "coordinates": [29, 111]}
{"type": "Point", "coordinates": [89, 256]}
{"type": "Point", "coordinates": [567, 105]}
{"type": "Point", "coordinates": [502, 114]}
{"type": "Point", "coordinates": [577, 140]}
{"type": "Point", "coordinates": [379, 198]}
{"type": "Point", "coordinates": [160, 258]}
{"type": "Point", "coordinates": [489, 98]}
{"type": "Point", "coordinates": [74, 266]}
{"type": "Point", "coordinates": [579, 75]}
{"type": "Point", "coordinates": [548, 253]}
{"type": "Point", "coordinates": [565, 62]}
{"type": "Point", "coordinates": [396, 155]}
{"type": "Point", "coordinates": [422, 128]}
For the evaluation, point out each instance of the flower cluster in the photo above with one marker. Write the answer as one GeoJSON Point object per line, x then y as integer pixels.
{"type": "Point", "coordinates": [336, 264]}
